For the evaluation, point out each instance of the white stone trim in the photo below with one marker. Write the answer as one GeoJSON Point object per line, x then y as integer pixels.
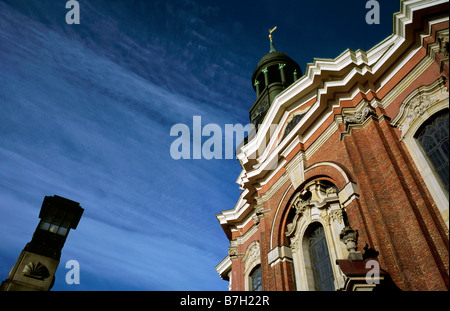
{"type": "Point", "coordinates": [300, 257]}
{"type": "Point", "coordinates": [418, 105]}
{"type": "Point", "coordinates": [276, 215]}
{"type": "Point", "coordinates": [247, 235]}
{"type": "Point", "coordinates": [323, 207]}
{"type": "Point", "coordinates": [251, 259]}
{"type": "Point", "coordinates": [340, 170]}
{"type": "Point", "coordinates": [348, 194]}
{"type": "Point", "coordinates": [279, 254]}
{"type": "Point", "coordinates": [415, 110]}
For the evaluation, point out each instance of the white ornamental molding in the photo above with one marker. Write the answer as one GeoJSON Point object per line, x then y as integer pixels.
{"type": "Point", "coordinates": [418, 102]}
{"type": "Point", "coordinates": [441, 46]}
{"type": "Point", "coordinates": [252, 256]}
{"type": "Point", "coordinates": [356, 118]}
{"type": "Point", "coordinates": [442, 38]}
{"type": "Point", "coordinates": [320, 198]}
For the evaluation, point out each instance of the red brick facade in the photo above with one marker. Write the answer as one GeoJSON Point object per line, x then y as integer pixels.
{"type": "Point", "coordinates": [352, 137]}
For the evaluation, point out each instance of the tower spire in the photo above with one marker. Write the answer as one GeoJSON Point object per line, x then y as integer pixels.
{"type": "Point", "coordinates": [275, 72]}
{"type": "Point", "coordinates": [272, 47]}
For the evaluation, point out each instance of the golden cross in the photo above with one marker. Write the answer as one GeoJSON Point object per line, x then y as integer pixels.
{"type": "Point", "coordinates": [270, 32]}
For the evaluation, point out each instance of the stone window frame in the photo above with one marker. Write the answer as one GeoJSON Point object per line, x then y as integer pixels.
{"type": "Point", "coordinates": [426, 137]}
{"type": "Point", "coordinates": [417, 108]}
{"type": "Point", "coordinates": [324, 208]}
{"type": "Point", "coordinates": [251, 259]}
{"type": "Point", "coordinates": [312, 229]}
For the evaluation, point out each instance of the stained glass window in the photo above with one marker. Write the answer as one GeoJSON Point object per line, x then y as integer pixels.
{"type": "Point", "coordinates": [320, 261]}
{"type": "Point", "coordinates": [433, 137]}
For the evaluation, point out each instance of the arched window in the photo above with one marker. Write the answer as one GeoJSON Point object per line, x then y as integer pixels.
{"type": "Point", "coordinates": [320, 260]}
{"type": "Point", "coordinates": [433, 138]}
{"type": "Point", "coordinates": [255, 279]}
{"type": "Point", "coordinates": [423, 123]}
{"type": "Point", "coordinates": [317, 220]}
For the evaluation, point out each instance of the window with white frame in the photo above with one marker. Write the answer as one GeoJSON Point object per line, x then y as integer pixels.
{"type": "Point", "coordinates": [313, 228]}
{"type": "Point", "coordinates": [433, 139]}
{"type": "Point", "coordinates": [423, 122]}
{"type": "Point", "coordinates": [252, 270]}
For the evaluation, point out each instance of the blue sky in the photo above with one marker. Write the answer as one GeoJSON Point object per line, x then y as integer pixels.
{"type": "Point", "coordinates": [86, 113]}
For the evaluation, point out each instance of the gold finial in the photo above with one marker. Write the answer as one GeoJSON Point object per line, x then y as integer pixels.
{"type": "Point", "coordinates": [270, 32]}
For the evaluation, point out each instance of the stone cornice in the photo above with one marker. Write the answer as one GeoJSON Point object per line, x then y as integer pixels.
{"type": "Point", "coordinates": [349, 65]}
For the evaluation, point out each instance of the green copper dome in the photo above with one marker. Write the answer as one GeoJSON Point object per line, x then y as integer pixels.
{"type": "Point", "coordinates": [275, 72]}
{"type": "Point", "coordinates": [274, 58]}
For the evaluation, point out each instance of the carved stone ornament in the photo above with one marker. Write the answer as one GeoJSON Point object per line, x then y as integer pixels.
{"type": "Point", "coordinates": [337, 215]}
{"type": "Point", "coordinates": [233, 252]}
{"type": "Point", "coordinates": [259, 213]}
{"type": "Point", "coordinates": [252, 256]}
{"type": "Point", "coordinates": [326, 218]}
{"type": "Point", "coordinates": [415, 105]}
{"type": "Point", "coordinates": [349, 237]}
{"type": "Point", "coordinates": [442, 38]}
{"type": "Point", "coordinates": [316, 195]}
{"type": "Point", "coordinates": [356, 118]}
{"type": "Point", "coordinates": [359, 116]}
{"type": "Point", "coordinates": [300, 208]}
{"type": "Point", "coordinates": [36, 271]}
{"type": "Point", "coordinates": [440, 46]}
{"type": "Point", "coordinates": [256, 219]}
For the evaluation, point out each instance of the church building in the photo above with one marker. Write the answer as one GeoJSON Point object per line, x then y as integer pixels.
{"type": "Point", "coordinates": [345, 180]}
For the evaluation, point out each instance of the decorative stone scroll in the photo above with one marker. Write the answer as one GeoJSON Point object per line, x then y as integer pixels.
{"type": "Point", "coordinates": [233, 252]}
{"type": "Point", "coordinates": [418, 102]}
{"type": "Point", "coordinates": [316, 198]}
{"type": "Point", "coordinates": [318, 202]}
{"type": "Point", "coordinates": [357, 117]}
{"type": "Point", "coordinates": [252, 256]}
{"type": "Point", "coordinates": [259, 213]}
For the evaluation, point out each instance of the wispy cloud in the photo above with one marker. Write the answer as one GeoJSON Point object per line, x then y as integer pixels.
{"type": "Point", "coordinates": [141, 261]}
{"type": "Point", "coordinates": [84, 125]}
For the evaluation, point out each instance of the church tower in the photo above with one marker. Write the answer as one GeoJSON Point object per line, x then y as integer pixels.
{"type": "Point", "coordinates": [36, 266]}
{"type": "Point", "coordinates": [275, 72]}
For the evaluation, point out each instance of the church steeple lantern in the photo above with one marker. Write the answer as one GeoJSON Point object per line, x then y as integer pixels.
{"type": "Point", "coordinates": [275, 72]}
